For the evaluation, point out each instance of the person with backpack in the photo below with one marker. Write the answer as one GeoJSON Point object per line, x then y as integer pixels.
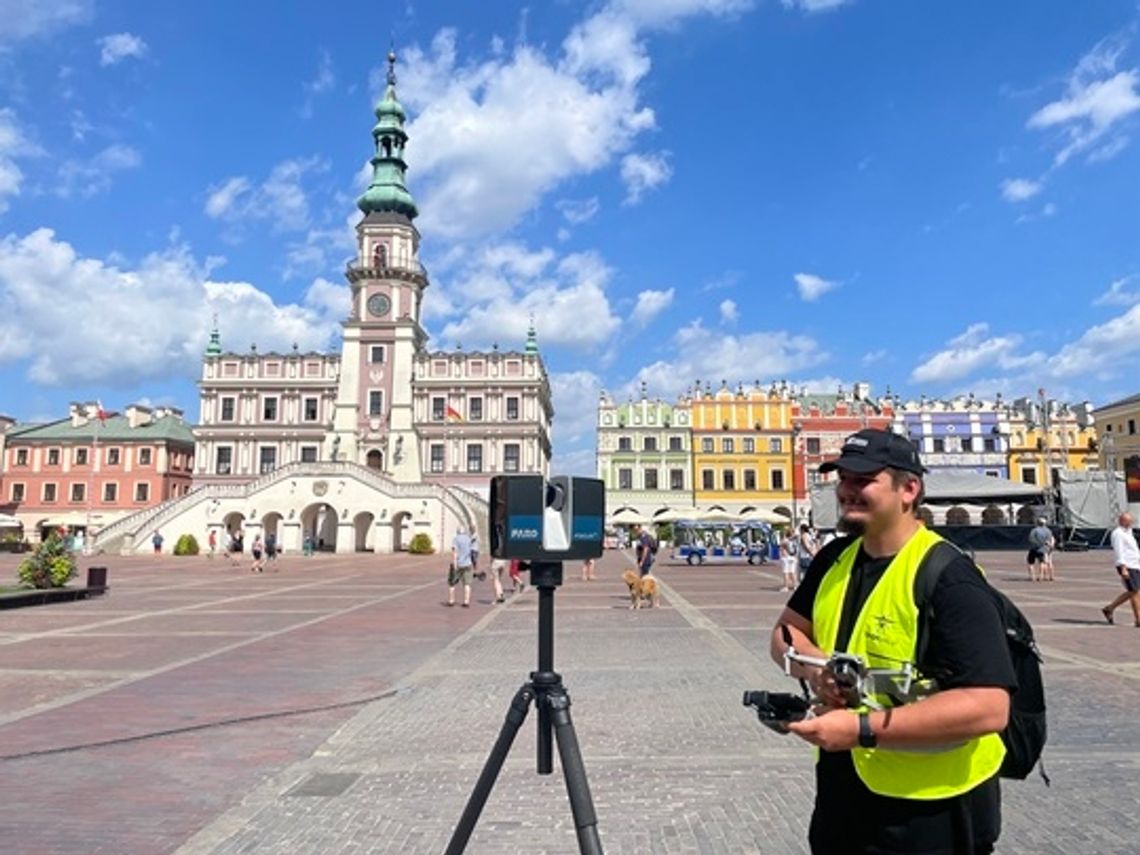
{"type": "Point", "coordinates": [921, 774]}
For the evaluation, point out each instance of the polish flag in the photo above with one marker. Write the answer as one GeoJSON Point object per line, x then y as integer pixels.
{"type": "Point", "coordinates": [100, 413]}
{"type": "Point", "coordinates": [453, 415]}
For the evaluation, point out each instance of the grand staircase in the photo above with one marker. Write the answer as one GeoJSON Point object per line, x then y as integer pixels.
{"type": "Point", "coordinates": [123, 534]}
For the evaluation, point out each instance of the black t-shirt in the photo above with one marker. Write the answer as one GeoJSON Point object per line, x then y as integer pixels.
{"type": "Point", "coordinates": [966, 647]}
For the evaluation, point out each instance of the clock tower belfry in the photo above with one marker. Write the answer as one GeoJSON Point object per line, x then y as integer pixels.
{"type": "Point", "coordinates": [373, 420]}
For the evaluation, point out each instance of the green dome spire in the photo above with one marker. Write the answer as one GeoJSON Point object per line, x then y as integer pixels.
{"type": "Point", "coordinates": [387, 191]}
{"type": "Point", "coordinates": [214, 348]}
{"type": "Point", "coordinates": [531, 338]}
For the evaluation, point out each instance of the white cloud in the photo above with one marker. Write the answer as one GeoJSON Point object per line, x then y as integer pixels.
{"type": "Point", "coordinates": [650, 304]}
{"type": "Point", "coordinates": [13, 144]}
{"type": "Point", "coordinates": [563, 113]}
{"type": "Point", "coordinates": [972, 350]}
{"type": "Point", "coordinates": [280, 200]}
{"type": "Point", "coordinates": [86, 178]}
{"type": "Point", "coordinates": [558, 119]}
{"type": "Point", "coordinates": [115, 48]}
{"type": "Point", "coordinates": [813, 5]}
{"type": "Point", "coordinates": [493, 294]}
{"type": "Point", "coordinates": [700, 354]}
{"type": "Point", "coordinates": [666, 13]}
{"type": "Point", "coordinates": [323, 81]}
{"type": "Point", "coordinates": [1105, 350]}
{"type": "Point", "coordinates": [812, 287]}
{"type": "Point", "coordinates": [126, 325]}
{"type": "Point", "coordinates": [643, 172]}
{"type": "Point", "coordinates": [575, 396]}
{"type": "Point", "coordinates": [1096, 100]}
{"type": "Point", "coordinates": [871, 357]}
{"type": "Point", "coordinates": [1117, 296]}
{"type": "Point", "coordinates": [21, 19]}
{"type": "Point", "coordinates": [1019, 189]}
{"type": "Point", "coordinates": [729, 314]}
{"type": "Point", "coordinates": [578, 211]}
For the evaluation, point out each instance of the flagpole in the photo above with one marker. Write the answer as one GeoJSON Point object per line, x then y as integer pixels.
{"type": "Point", "coordinates": [87, 538]}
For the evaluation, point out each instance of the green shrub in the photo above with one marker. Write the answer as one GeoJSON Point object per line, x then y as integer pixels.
{"type": "Point", "coordinates": [421, 545]}
{"type": "Point", "coordinates": [50, 566]}
{"type": "Point", "coordinates": [187, 545]}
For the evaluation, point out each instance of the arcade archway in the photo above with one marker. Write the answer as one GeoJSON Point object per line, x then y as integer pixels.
{"type": "Point", "coordinates": [318, 527]}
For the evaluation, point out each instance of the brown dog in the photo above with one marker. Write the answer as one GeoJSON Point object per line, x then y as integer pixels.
{"type": "Point", "coordinates": [641, 588]}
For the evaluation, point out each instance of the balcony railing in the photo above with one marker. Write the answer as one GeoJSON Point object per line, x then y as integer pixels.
{"type": "Point", "coordinates": [391, 269]}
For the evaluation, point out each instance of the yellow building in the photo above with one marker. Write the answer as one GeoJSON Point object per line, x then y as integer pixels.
{"type": "Point", "coordinates": [742, 448]}
{"type": "Point", "coordinates": [1118, 425]}
{"type": "Point", "coordinates": [1045, 440]}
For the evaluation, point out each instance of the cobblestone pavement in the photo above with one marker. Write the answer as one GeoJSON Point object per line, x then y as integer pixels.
{"type": "Point", "coordinates": [193, 654]}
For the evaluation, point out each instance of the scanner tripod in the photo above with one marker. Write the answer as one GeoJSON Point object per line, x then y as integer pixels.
{"type": "Point", "coordinates": [546, 692]}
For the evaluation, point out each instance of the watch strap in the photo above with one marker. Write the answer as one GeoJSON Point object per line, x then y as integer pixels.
{"type": "Point", "coordinates": [867, 738]}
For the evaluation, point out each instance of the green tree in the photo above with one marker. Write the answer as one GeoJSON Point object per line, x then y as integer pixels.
{"type": "Point", "coordinates": [421, 545]}
{"type": "Point", "coordinates": [50, 566]}
{"type": "Point", "coordinates": [187, 545]}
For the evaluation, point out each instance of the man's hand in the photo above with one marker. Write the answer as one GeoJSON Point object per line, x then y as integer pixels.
{"type": "Point", "coordinates": [834, 730]}
{"type": "Point", "coordinates": [823, 686]}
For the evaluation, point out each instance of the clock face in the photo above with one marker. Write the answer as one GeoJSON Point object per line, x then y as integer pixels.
{"type": "Point", "coordinates": [378, 305]}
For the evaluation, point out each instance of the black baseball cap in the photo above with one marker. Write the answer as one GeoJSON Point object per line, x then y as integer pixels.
{"type": "Point", "coordinates": [871, 450]}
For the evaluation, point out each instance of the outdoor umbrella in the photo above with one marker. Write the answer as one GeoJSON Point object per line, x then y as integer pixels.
{"type": "Point", "coordinates": [8, 521]}
{"type": "Point", "coordinates": [628, 516]}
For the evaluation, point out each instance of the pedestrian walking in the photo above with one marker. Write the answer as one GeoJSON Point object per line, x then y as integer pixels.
{"type": "Point", "coordinates": [156, 541]}
{"type": "Point", "coordinates": [498, 566]}
{"type": "Point", "coordinates": [788, 551]}
{"type": "Point", "coordinates": [461, 568]}
{"type": "Point", "coordinates": [514, 570]}
{"type": "Point", "coordinates": [920, 775]}
{"type": "Point", "coordinates": [211, 543]}
{"type": "Point", "coordinates": [1040, 542]}
{"type": "Point", "coordinates": [1126, 557]}
{"type": "Point", "coordinates": [256, 550]}
{"type": "Point", "coordinates": [271, 549]}
{"type": "Point", "coordinates": [588, 570]}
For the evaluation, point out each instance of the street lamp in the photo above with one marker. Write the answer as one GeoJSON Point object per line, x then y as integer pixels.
{"type": "Point", "coordinates": [796, 431]}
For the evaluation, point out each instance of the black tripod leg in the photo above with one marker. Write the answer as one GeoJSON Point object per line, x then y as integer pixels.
{"type": "Point", "coordinates": [578, 788]}
{"type": "Point", "coordinates": [516, 715]}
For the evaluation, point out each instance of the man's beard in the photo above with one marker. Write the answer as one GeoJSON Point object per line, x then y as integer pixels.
{"type": "Point", "coordinates": [856, 528]}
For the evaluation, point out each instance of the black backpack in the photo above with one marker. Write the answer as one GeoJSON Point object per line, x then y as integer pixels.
{"type": "Point", "coordinates": [1025, 734]}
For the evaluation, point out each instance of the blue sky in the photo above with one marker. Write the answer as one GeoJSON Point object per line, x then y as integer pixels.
{"type": "Point", "coordinates": [938, 197]}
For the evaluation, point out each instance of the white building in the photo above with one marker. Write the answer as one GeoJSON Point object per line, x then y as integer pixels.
{"type": "Point", "coordinates": [362, 449]}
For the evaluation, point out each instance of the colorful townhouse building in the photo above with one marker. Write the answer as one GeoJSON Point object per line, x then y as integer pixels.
{"type": "Point", "coordinates": [964, 433]}
{"type": "Point", "coordinates": [742, 447]}
{"type": "Point", "coordinates": [644, 453]}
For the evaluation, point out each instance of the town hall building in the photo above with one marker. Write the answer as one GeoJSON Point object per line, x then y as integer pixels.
{"type": "Point", "coordinates": [363, 449]}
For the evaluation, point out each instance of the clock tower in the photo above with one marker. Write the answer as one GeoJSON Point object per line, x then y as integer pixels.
{"type": "Point", "coordinates": [373, 420]}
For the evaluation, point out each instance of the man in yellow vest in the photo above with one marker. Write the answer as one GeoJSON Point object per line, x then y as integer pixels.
{"type": "Point", "coordinates": [919, 775]}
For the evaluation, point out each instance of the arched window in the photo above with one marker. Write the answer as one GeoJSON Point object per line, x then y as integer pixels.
{"type": "Point", "coordinates": [993, 515]}
{"type": "Point", "coordinates": [386, 144]}
{"type": "Point", "coordinates": [1027, 514]}
{"type": "Point", "coordinates": [375, 459]}
{"type": "Point", "coordinates": [380, 256]}
{"type": "Point", "coordinates": [957, 516]}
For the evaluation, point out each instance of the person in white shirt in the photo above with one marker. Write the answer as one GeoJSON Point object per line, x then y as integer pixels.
{"type": "Point", "coordinates": [1127, 559]}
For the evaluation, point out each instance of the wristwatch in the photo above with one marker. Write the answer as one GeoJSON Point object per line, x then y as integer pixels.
{"type": "Point", "coordinates": [867, 738]}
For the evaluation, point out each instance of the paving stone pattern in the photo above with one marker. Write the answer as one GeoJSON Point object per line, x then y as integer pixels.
{"type": "Point", "coordinates": [675, 763]}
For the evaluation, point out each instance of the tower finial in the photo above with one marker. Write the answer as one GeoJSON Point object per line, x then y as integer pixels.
{"type": "Point", "coordinates": [214, 348]}
{"type": "Point", "coordinates": [391, 66]}
{"type": "Point", "coordinates": [531, 337]}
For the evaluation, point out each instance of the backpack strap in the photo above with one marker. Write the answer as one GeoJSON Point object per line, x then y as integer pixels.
{"type": "Point", "coordinates": [937, 559]}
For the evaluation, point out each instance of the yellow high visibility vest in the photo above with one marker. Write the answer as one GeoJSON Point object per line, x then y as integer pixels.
{"type": "Point", "coordinates": [885, 635]}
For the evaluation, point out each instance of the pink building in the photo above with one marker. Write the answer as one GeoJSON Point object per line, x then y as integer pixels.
{"type": "Point", "coordinates": [84, 472]}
